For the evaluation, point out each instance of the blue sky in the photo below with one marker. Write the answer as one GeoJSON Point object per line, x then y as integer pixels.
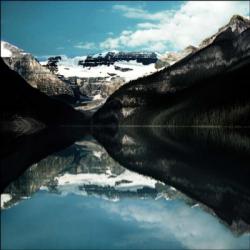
{"type": "Point", "coordinates": [79, 28]}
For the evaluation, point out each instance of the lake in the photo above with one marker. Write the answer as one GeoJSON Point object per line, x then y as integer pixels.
{"type": "Point", "coordinates": [135, 190]}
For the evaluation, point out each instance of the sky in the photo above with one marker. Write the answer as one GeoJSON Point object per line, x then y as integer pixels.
{"type": "Point", "coordinates": [76, 28]}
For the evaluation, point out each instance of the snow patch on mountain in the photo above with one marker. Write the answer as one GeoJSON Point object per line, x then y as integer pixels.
{"type": "Point", "coordinates": [4, 199]}
{"type": "Point", "coordinates": [68, 67]}
{"type": "Point", "coordinates": [9, 50]}
{"type": "Point", "coordinates": [128, 180]}
{"type": "Point", "coordinates": [103, 54]}
{"type": "Point", "coordinates": [97, 154]}
{"type": "Point", "coordinates": [5, 52]}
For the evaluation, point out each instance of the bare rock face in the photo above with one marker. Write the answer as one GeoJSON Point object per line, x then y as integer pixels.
{"type": "Point", "coordinates": [101, 87]}
{"type": "Point", "coordinates": [33, 72]}
{"type": "Point", "coordinates": [24, 108]}
{"type": "Point", "coordinates": [237, 24]}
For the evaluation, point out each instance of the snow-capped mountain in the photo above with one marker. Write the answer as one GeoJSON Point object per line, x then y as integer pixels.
{"type": "Point", "coordinates": [32, 71]}
{"type": "Point", "coordinates": [228, 50]}
{"type": "Point", "coordinates": [100, 75]}
{"type": "Point", "coordinates": [9, 50]}
{"type": "Point", "coordinates": [128, 70]}
{"type": "Point", "coordinates": [69, 77]}
{"type": "Point", "coordinates": [109, 58]}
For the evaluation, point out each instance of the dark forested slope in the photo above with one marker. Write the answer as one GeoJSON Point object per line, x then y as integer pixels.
{"type": "Point", "coordinates": [208, 87]}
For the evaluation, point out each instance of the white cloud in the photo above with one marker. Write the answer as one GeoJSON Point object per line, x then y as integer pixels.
{"type": "Point", "coordinates": [147, 25]}
{"type": "Point", "coordinates": [87, 45]}
{"type": "Point", "coordinates": [158, 46]}
{"type": "Point", "coordinates": [110, 33]}
{"type": "Point", "coordinates": [140, 13]}
{"type": "Point", "coordinates": [193, 22]}
{"type": "Point", "coordinates": [192, 227]}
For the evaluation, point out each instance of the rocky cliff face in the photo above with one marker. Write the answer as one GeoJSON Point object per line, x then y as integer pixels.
{"type": "Point", "coordinates": [206, 87]}
{"type": "Point", "coordinates": [33, 72]}
{"type": "Point", "coordinates": [97, 81]}
{"type": "Point", "coordinates": [237, 24]}
{"type": "Point", "coordinates": [23, 107]}
{"type": "Point", "coordinates": [93, 91]}
{"type": "Point", "coordinates": [87, 88]}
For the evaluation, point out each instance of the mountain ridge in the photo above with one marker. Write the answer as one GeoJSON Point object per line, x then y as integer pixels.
{"type": "Point", "coordinates": [31, 70]}
{"type": "Point", "coordinates": [228, 52]}
{"type": "Point", "coordinates": [30, 107]}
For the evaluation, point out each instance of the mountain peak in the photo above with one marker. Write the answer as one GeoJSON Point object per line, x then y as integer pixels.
{"type": "Point", "coordinates": [33, 72]}
{"type": "Point", "coordinates": [10, 50]}
{"type": "Point", "coordinates": [237, 24]}
{"type": "Point", "coordinates": [238, 18]}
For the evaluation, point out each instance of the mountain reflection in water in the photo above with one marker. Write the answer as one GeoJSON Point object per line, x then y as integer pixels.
{"type": "Point", "coordinates": [156, 188]}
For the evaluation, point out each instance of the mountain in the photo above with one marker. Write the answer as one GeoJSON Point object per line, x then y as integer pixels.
{"type": "Point", "coordinates": [207, 87]}
{"type": "Point", "coordinates": [173, 57]}
{"type": "Point", "coordinates": [26, 116]}
{"type": "Point", "coordinates": [24, 108]}
{"type": "Point", "coordinates": [34, 73]}
{"type": "Point", "coordinates": [77, 81]}
{"type": "Point", "coordinates": [110, 58]}
{"type": "Point", "coordinates": [237, 24]}
{"type": "Point", "coordinates": [108, 65]}
{"type": "Point", "coordinates": [178, 125]}
{"type": "Point", "coordinates": [98, 76]}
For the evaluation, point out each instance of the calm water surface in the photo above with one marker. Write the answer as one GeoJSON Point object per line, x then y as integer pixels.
{"type": "Point", "coordinates": [81, 198]}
